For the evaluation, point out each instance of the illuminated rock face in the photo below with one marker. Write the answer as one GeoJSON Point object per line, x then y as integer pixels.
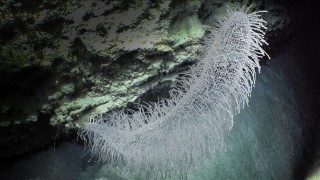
{"type": "Point", "coordinates": [61, 61]}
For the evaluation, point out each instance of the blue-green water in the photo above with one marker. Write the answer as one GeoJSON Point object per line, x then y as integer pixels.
{"type": "Point", "coordinates": [264, 142]}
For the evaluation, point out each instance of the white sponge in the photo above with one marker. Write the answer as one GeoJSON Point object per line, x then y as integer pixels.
{"type": "Point", "coordinates": [169, 137]}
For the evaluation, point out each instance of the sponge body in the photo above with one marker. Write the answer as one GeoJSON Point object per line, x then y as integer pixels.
{"type": "Point", "coordinates": [172, 135]}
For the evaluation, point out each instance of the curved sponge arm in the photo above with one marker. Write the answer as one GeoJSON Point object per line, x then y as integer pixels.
{"type": "Point", "coordinates": [175, 134]}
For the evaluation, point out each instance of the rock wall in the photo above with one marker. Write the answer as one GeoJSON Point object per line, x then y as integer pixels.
{"type": "Point", "coordinates": [61, 61]}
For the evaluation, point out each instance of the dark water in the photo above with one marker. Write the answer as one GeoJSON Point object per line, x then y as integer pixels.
{"type": "Point", "coordinates": [62, 162]}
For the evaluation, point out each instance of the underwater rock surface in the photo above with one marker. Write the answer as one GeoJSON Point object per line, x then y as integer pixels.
{"type": "Point", "coordinates": [61, 61]}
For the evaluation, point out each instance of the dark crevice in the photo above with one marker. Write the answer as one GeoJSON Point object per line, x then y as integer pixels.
{"type": "Point", "coordinates": [303, 46]}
